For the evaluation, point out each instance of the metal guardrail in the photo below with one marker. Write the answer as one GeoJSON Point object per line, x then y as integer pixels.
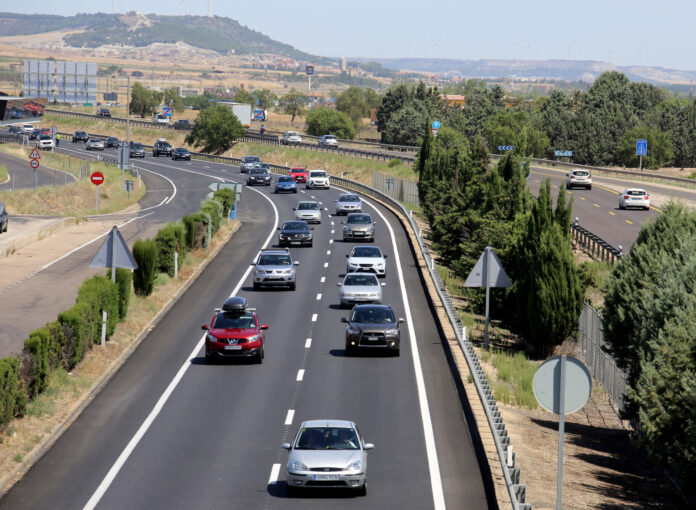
{"type": "Point", "coordinates": [594, 245]}
{"type": "Point", "coordinates": [399, 189]}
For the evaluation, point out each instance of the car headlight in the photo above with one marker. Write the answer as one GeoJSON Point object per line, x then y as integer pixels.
{"type": "Point", "coordinates": [355, 466]}
{"type": "Point", "coordinates": [211, 338]}
{"type": "Point", "coordinates": [352, 331]}
{"type": "Point", "coordinates": [253, 338]}
{"type": "Point", "coordinates": [296, 465]}
{"type": "Point", "coordinates": [346, 228]}
{"type": "Point", "coordinates": [353, 264]}
{"type": "Point", "coordinates": [392, 332]}
{"type": "Point", "coordinates": [281, 235]}
{"type": "Point", "coordinates": [371, 229]}
{"type": "Point", "coordinates": [374, 294]}
{"type": "Point", "coordinates": [287, 271]}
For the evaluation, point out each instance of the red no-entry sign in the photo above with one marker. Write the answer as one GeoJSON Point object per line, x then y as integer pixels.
{"type": "Point", "coordinates": [97, 178]}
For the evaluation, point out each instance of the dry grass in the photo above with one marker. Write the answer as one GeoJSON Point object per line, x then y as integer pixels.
{"type": "Point", "coordinates": [76, 199]}
{"type": "Point", "coordinates": [66, 392]}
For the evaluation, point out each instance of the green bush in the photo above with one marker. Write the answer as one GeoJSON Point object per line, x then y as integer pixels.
{"type": "Point", "coordinates": [166, 246]}
{"type": "Point", "coordinates": [226, 197]}
{"type": "Point", "coordinates": [214, 208]}
{"type": "Point", "coordinates": [75, 330]}
{"type": "Point", "coordinates": [12, 397]}
{"type": "Point", "coordinates": [202, 229]}
{"type": "Point", "coordinates": [100, 294]}
{"type": "Point", "coordinates": [40, 347]}
{"type": "Point", "coordinates": [190, 236]}
{"type": "Point", "coordinates": [124, 279]}
{"type": "Point", "coordinates": [327, 121]}
{"type": "Point", "coordinates": [145, 254]}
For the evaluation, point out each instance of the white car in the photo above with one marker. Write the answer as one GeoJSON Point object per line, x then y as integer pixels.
{"type": "Point", "coordinates": [160, 119]}
{"type": "Point", "coordinates": [317, 179]}
{"type": "Point", "coordinates": [348, 203]}
{"type": "Point", "coordinates": [359, 288]}
{"type": "Point", "coordinates": [308, 211]}
{"type": "Point", "coordinates": [367, 259]}
{"type": "Point", "coordinates": [45, 142]}
{"type": "Point", "coordinates": [27, 128]}
{"type": "Point", "coordinates": [328, 141]}
{"type": "Point", "coordinates": [634, 197]}
{"type": "Point", "coordinates": [579, 179]}
{"type": "Point", "coordinates": [290, 137]}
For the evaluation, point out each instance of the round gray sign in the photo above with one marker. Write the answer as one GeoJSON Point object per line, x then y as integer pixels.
{"type": "Point", "coordinates": [547, 385]}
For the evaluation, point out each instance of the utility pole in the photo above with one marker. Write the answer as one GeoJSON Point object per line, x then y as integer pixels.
{"type": "Point", "coordinates": [209, 8]}
{"type": "Point", "coordinates": [128, 113]}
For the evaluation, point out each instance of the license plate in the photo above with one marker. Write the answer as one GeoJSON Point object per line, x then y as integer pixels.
{"type": "Point", "coordinates": [326, 477]}
{"type": "Point", "coordinates": [233, 347]}
{"type": "Point", "coordinates": [373, 338]}
{"type": "Point", "coordinates": [295, 242]}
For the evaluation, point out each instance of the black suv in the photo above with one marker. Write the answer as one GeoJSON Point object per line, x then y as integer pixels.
{"type": "Point", "coordinates": [182, 124]}
{"type": "Point", "coordinates": [372, 327]}
{"type": "Point", "coordinates": [162, 148]}
{"type": "Point", "coordinates": [295, 232]}
{"type": "Point", "coordinates": [104, 112]}
{"type": "Point", "coordinates": [80, 136]}
{"type": "Point", "coordinates": [111, 141]}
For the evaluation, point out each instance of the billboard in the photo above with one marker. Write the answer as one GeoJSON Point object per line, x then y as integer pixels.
{"type": "Point", "coordinates": [65, 82]}
{"type": "Point", "coordinates": [18, 110]}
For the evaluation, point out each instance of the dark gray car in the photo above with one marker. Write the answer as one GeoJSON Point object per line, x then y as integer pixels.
{"type": "Point", "coordinates": [372, 327]}
{"type": "Point", "coordinates": [359, 226]}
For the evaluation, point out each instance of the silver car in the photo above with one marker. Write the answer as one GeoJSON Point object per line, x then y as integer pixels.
{"type": "Point", "coordinates": [579, 179]}
{"type": "Point", "coordinates": [327, 453]}
{"type": "Point", "coordinates": [328, 141]}
{"type": "Point", "coordinates": [359, 226]}
{"type": "Point", "coordinates": [308, 211]}
{"type": "Point", "coordinates": [317, 179]}
{"type": "Point", "coordinates": [359, 288]}
{"type": "Point", "coordinates": [367, 258]}
{"type": "Point", "coordinates": [248, 163]}
{"type": "Point", "coordinates": [348, 203]}
{"type": "Point", "coordinates": [291, 137]}
{"type": "Point", "coordinates": [274, 268]}
{"type": "Point", "coordinates": [94, 144]}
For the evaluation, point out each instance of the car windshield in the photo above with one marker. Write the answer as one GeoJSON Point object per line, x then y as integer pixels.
{"type": "Point", "coordinates": [286, 179]}
{"type": "Point", "coordinates": [182, 150]}
{"type": "Point", "coordinates": [45, 137]}
{"type": "Point", "coordinates": [293, 133]}
{"type": "Point", "coordinates": [260, 171]}
{"type": "Point", "coordinates": [94, 140]}
{"type": "Point", "coordinates": [298, 170]}
{"type": "Point", "coordinates": [367, 251]}
{"type": "Point", "coordinates": [360, 279]}
{"type": "Point", "coordinates": [329, 137]}
{"type": "Point", "coordinates": [234, 320]}
{"type": "Point", "coordinates": [635, 192]}
{"type": "Point", "coordinates": [265, 165]}
{"type": "Point", "coordinates": [250, 159]}
{"type": "Point", "coordinates": [349, 198]}
{"type": "Point", "coordinates": [112, 139]}
{"type": "Point", "coordinates": [373, 315]}
{"type": "Point", "coordinates": [327, 438]}
{"type": "Point", "coordinates": [308, 206]}
{"type": "Point", "coordinates": [360, 219]}
{"type": "Point", "coordinates": [274, 260]}
{"type": "Point", "coordinates": [317, 173]}
{"type": "Point", "coordinates": [295, 225]}
{"type": "Point", "coordinates": [581, 173]}
{"type": "Point", "coordinates": [137, 146]}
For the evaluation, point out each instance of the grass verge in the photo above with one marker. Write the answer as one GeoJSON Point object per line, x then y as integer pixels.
{"type": "Point", "coordinates": [512, 381]}
{"type": "Point", "coordinates": [67, 391]}
{"type": "Point", "coordinates": [3, 174]}
{"type": "Point", "coordinates": [71, 199]}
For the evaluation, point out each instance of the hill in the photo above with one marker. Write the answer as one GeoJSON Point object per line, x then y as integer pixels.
{"type": "Point", "coordinates": [219, 34]}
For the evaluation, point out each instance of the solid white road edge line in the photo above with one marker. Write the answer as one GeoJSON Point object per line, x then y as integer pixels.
{"type": "Point", "coordinates": [433, 464]}
{"type": "Point", "coordinates": [275, 471]}
{"type": "Point", "coordinates": [300, 374]}
{"type": "Point", "coordinates": [289, 417]}
{"type": "Point", "coordinates": [121, 460]}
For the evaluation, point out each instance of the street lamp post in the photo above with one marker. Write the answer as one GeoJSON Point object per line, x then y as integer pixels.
{"type": "Point", "coordinates": [128, 113]}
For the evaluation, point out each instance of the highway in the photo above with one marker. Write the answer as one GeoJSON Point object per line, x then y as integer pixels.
{"type": "Point", "coordinates": [169, 431]}
{"type": "Point", "coordinates": [21, 175]}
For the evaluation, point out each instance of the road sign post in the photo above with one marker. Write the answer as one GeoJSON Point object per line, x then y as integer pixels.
{"type": "Point", "coordinates": [562, 385]}
{"type": "Point", "coordinates": [488, 272]}
{"type": "Point", "coordinates": [97, 178]}
{"type": "Point", "coordinates": [641, 150]}
{"type": "Point", "coordinates": [34, 158]}
{"type": "Point", "coordinates": [309, 70]}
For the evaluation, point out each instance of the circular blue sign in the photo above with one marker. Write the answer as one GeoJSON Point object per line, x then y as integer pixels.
{"type": "Point", "coordinates": [436, 124]}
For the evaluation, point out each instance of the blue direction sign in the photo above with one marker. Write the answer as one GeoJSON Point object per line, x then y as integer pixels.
{"type": "Point", "coordinates": [167, 111]}
{"type": "Point", "coordinates": [506, 147]}
{"type": "Point", "coordinates": [309, 70]}
{"type": "Point", "coordinates": [641, 147]}
{"type": "Point", "coordinates": [563, 154]}
{"type": "Point", "coordinates": [436, 124]}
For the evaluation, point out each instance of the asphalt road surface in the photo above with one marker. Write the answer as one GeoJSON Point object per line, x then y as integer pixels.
{"type": "Point", "coordinates": [215, 442]}
{"type": "Point", "coordinates": [22, 175]}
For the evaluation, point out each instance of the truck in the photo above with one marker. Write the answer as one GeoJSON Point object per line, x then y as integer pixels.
{"type": "Point", "coordinates": [242, 111]}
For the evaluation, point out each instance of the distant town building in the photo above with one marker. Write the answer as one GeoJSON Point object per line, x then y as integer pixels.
{"type": "Point", "coordinates": [342, 64]}
{"type": "Point", "coordinates": [454, 99]}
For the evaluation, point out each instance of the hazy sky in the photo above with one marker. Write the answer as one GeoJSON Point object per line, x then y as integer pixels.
{"type": "Point", "coordinates": [624, 32]}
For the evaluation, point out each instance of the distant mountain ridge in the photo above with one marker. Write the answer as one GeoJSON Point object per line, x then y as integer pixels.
{"type": "Point", "coordinates": [567, 70]}
{"type": "Point", "coordinates": [219, 34]}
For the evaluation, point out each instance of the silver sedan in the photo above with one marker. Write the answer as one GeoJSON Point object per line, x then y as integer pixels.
{"type": "Point", "coordinates": [94, 144]}
{"type": "Point", "coordinates": [359, 288]}
{"type": "Point", "coordinates": [308, 211]}
{"type": "Point", "coordinates": [327, 453]}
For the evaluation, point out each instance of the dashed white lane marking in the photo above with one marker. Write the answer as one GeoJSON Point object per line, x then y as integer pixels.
{"type": "Point", "coordinates": [323, 279]}
{"type": "Point", "coordinates": [308, 343]}
{"type": "Point", "coordinates": [206, 166]}
{"type": "Point", "coordinates": [326, 264]}
{"type": "Point", "coordinates": [328, 252]}
{"type": "Point", "coordinates": [333, 232]}
{"type": "Point", "coordinates": [290, 416]}
{"type": "Point", "coordinates": [314, 317]}
{"type": "Point", "coordinates": [331, 240]}
{"type": "Point", "coordinates": [300, 374]}
{"type": "Point", "coordinates": [302, 191]}
{"type": "Point", "coordinates": [275, 471]}
{"type": "Point", "coordinates": [311, 196]}
{"type": "Point", "coordinates": [322, 203]}
{"type": "Point", "coordinates": [318, 297]}
{"type": "Point", "coordinates": [332, 222]}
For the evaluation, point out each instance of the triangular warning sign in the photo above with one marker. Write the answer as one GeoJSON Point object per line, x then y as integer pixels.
{"type": "Point", "coordinates": [114, 252]}
{"type": "Point", "coordinates": [488, 264]}
{"type": "Point", "coordinates": [34, 154]}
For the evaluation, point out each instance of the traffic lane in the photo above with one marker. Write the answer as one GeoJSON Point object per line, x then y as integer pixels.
{"type": "Point", "coordinates": [226, 419]}
{"type": "Point", "coordinates": [22, 175]}
{"type": "Point", "coordinates": [597, 210]}
{"type": "Point", "coordinates": [67, 475]}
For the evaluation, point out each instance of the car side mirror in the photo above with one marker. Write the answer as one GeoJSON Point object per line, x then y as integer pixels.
{"type": "Point", "coordinates": [347, 255]}
{"type": "Point", "coordinates": [311, 228]}
{"type": "Point", "coordinates": [205, 327]}
{"type": "Point", "coordinates": [344, 319]}
{"type": "Point", "coordinates": [296, 263]}
{"type": "Point", "coordinates": [286, 446]}
{"type": "Point", "coordinates": [400, 320]}
{"type": "Point", "coordinates": [264, 326]}
{"type": "Point", "coordinates": [338, 284]}
{"type": "Point", "coordinates": [278, 228]}
{"type": "Point", "coordinates": [253, 263]}
{"type": "Point", "coordinates": [294, 209]}
{"type": "Point", "coordinates": [369, 446]}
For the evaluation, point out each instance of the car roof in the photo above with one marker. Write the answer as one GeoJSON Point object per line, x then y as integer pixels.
{"type": "Point", "coordinates": [307, 202]}
{"type": "Point", "coordinates": [275, 251]}
{"type": "Point", "coordinates": [373, 306]}
{"type": "Point", "coordinates": [328, 423]}
{"type": "Point", "coordinates": [348, 195]}
{"type": "Point", "coordinates": [358, 214]}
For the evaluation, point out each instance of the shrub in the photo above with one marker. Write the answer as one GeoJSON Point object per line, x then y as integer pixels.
{"type": "Point", "coordinates": [166, 246]}
{"type": "Point", "coordinates": [100, 294]}
{"type": "Point", "coordinates": [124, 279]}
{"type": "Point", "coordinates": [327, 121]}
{"type": "Point", "coordinates": [39, 347]}
{"type": "Point", "coordinates": [202, 229]}
{"type": "Point", "coordinates": [214, 208]}
{"type": "Point", "coordinates": [190, 237]}
{"type": "Point", "coordinates": [226, 197]}
{"type": "Point", "coordinates": [12, 400]}
{"type": "Point", "coordinates": [145, 254]}
{"type": "Point", "coordinates": [75, 331]}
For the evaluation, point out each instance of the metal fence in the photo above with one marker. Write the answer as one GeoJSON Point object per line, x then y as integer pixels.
{"type": "Point", "coordinates": [599, 362]}
{"type": "Point", "coordinates": [405, 192]}
{"type": "Point", "coordinates": [594, 245]}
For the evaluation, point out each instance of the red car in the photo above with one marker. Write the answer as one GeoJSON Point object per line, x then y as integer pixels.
{"type": "Point", "coordinates": [234, 332]}
{"type": "Point", "coordinates": [299, 173]}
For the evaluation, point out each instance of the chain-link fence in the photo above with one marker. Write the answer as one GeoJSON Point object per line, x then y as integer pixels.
{"type": "Point", "coordinates": [405, 192]}
{"type": "Point", "coordinates": [600, 363]}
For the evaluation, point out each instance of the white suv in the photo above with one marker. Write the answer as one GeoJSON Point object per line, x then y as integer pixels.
{"type": "Point", "coordinates": [579, 179]}
{"type": "Point", "coordinates": [317, 179]}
